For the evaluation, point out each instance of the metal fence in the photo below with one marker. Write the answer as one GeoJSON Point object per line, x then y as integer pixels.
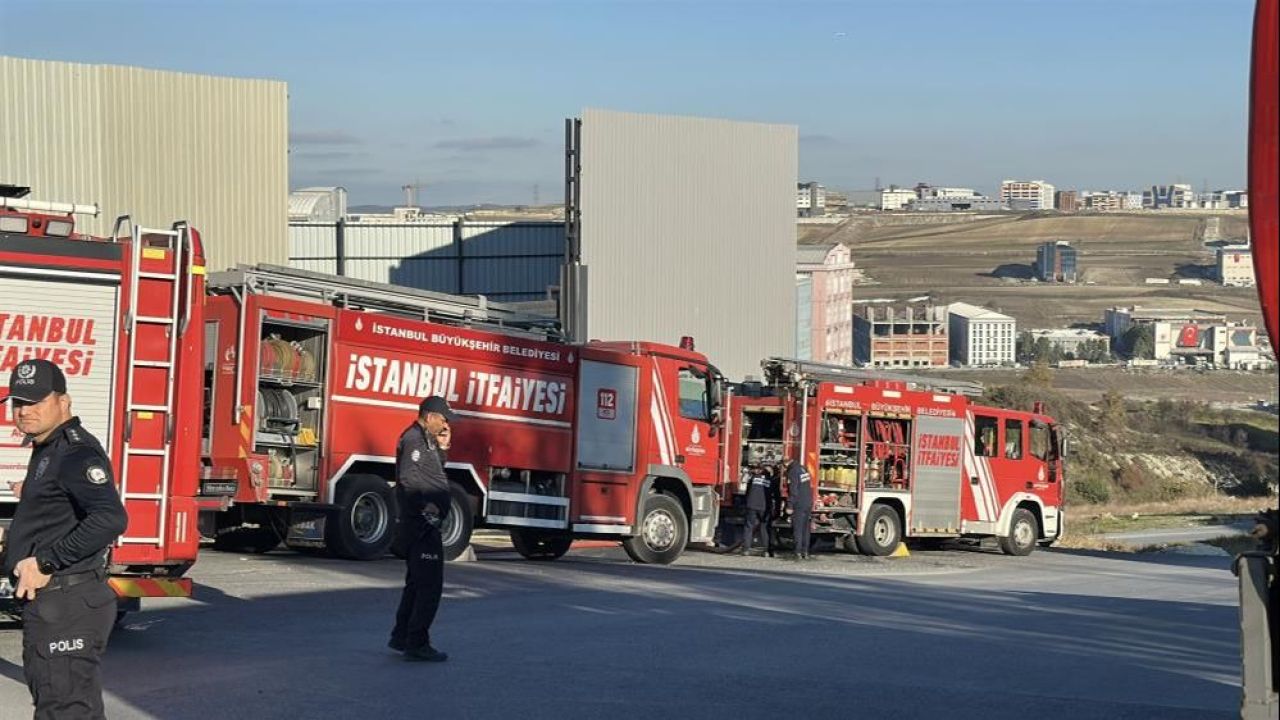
{"type": "Point", "coordinates": [508, 261]}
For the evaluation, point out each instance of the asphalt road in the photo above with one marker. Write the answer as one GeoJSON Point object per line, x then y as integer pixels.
{"type": "Point", "coordinates": [1156, 536]}
{"type": "Point", "coordinates": [956, 634]}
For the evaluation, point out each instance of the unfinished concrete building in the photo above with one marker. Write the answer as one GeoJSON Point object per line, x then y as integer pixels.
{"type": "Point", "coordinates": [903, 336]}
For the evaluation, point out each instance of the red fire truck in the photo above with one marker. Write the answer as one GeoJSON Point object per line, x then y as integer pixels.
{"type": "Point", "coordinates": [123, 317]}
{"type": "Point", "coordinates": [900, 456]}
{"type": "Point", "coordinates": [311, 378]}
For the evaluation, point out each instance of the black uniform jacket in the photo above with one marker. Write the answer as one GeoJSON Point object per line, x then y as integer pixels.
{"type": "Point", "coordinates": [422, 488]}
{"type": "Point", "coordinates": [70, 512]}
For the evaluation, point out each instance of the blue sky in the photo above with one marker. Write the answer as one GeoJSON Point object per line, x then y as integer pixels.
{"type": "Point", "coordinates": [469, 98]}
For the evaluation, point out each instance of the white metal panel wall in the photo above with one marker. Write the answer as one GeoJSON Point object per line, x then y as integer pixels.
{"type": "Point", "coordinates": [688, 228]}
{"type": "Point", "coordinates": [159, 146]}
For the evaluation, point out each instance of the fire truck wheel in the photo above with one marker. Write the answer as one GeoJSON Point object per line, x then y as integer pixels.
{"type": "Point", "coordinates": [361, 529]}
{"type": "Point", "coordinates": [662, 533]}
{"type": "Point", "coordinates": [882, 533]}
{"type": "Point", "coordinates": [455, 532]}
{"type": "Point", "coordinates": [539, 544]}
{"type": "Point", "coordinates": [1023, 533]}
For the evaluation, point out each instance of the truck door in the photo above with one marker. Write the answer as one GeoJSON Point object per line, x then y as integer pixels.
{"type": "Point", "coordinates": [605, 453]}
{"type": "Point", "coordinates": [689, 411]}
{"type": "Point", "coordinates": [937, 477]}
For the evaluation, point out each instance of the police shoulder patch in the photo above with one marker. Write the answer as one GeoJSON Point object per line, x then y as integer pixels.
{"type": "Point", "coordinates": [96, 474]}
{"type": "Point", "coordinates": [416, 455]}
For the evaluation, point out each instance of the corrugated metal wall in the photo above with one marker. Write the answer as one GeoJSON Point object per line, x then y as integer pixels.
{"type": "Point", "coordinates": [159, 146]}
{"type": "Point", "coordinates": [512, 261]}
{"type": "Point", "coordinates": [688, 228]}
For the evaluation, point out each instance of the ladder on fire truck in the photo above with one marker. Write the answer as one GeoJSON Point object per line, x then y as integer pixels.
{"type": "Point", "coordinates": [168, 257]}
{"type": "Point", "coordinates": [793, 371]}
{"type": "Point", "coordinates": [357, 294]}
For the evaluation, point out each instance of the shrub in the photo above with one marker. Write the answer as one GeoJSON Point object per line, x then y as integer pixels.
{"type": "Point", "coordinates": [1088, 487]}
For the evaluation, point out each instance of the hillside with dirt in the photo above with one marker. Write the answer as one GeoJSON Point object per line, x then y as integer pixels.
{"type": "Point", "coordinates": [988, 261]}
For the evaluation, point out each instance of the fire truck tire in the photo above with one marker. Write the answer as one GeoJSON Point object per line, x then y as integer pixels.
{"type": "Point", "coordinates": [662, 531]}
{"type": "Point", "coordinates": [364, 523]}
{"type": "Point", "coordinates": [540, 544]}
{"type": "Point", "coordinates": [455, 532]}
{"type": "Point", "coordinates": [1024, 531]}
{"type": "Point", "coordinates": [882, 532]}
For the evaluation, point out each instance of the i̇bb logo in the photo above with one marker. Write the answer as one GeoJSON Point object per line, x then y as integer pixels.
{"type": "Point", "coordinates": [607, 404]}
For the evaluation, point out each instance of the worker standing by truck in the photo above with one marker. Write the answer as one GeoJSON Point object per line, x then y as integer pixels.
{"type": "Point", "coordinates": [69, 516]}
{"type": "Point", "coordinates": [762, 492]}
{"type": "Point", "coordinates": [800, 496]}
{"type": "Point", "coordinates": [422, 490]}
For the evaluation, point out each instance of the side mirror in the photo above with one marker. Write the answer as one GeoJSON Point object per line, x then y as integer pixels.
{"type": "Point", "coordinates": [715, 394]}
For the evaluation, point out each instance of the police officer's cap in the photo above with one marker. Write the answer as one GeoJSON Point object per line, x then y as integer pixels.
{"type": "Point", "coordinates": [436, 404]}
{"type": "Point", "coordinates": [33, 380]}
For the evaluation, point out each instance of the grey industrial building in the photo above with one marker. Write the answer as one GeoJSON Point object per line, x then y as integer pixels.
{"type": "Point", "coordinates": [956, 204]}
{"type": "Point", "coordinates": [506, 261]}
{"type": "Point", "coordinates": [158, 146]}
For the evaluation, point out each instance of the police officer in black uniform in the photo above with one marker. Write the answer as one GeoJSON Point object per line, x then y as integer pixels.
{"type": "Point", "coordinates": [422, 491]}
{"type": "Point", "coordinates": [68, 516]}
{"type": "Point", "coordinates": [800, 495]}
{"type": "Point", "coordinates": [762, 495]}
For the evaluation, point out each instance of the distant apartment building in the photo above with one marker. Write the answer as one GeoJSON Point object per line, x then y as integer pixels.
{"type": "Point", "coordinates": [896, 198]}
{"type": "Point", "coordinates": [1068, 340]}
{"type": "Point", "coordinates": [1131, 200]}
{"type": "Point", "coordinates": [1057, 262]}
{"type": "Point", "coordinates": [1235, 266]}
{"type": "Point", "coordinates": [901, 337]}
{"type": "Point", "coordinates": [1224, 200]}
{"type": "Point", "coordinates": [830, 274]}
{"type": "Point", "coordinates": [1066, 200]}
{"type": "Point", "coordinates": [1027, 194]}
{"type": "Point", "coordinates": [1102, 201]}
{"type": "Point", "coordinates": [1160, 197]}
{"type": "Point", "coordinates": [811, 200]}
{"type": "Point", "coordinates": [980, 336]}
{"type": "Point", "coordinates": [1236, 199]}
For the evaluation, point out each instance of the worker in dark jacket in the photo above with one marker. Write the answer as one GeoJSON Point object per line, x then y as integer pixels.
{"type": "Point", "coordinates": [800, 497]}
{"type": "Point", "coordinates": [68, 516]}
{"type": "Point", "coordinates": [762, 495]}
{"type": "Point", "coordinates": [422, 492]}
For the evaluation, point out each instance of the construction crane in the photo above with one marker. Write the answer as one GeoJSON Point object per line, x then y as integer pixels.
{"type": "Point", "coordinates": [411, 193]}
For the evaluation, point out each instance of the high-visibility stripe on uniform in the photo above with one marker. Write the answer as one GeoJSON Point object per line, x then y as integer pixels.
{"type": "Point", "coordinates": [150, 587]}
